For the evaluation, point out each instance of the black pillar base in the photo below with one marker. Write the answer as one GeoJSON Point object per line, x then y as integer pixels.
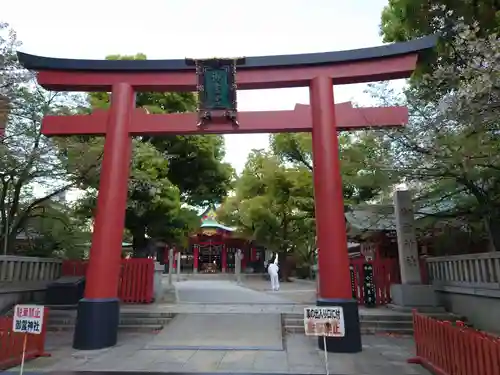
{"type": "Point", "coordinates": [351, 342]}
{"type": "Point", "coordinates": [97, 323]}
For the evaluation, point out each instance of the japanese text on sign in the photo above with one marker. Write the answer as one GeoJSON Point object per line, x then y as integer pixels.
{"type": "Point", "coordinates": [324, 321]}
{"type": "Point", "coordinates": [28, 319]}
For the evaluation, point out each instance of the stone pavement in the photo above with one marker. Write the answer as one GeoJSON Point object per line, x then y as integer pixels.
{"type": "Point", "coordinates": [380, 356]}
{"type": "Point", "coordinates": [218, 319]}
{"type": "Point", "coordinates": [298, 291]}
{"type": "Point", "coordinates": [221, 332]}
{"type": "Point", "coordinates": [221, 291]}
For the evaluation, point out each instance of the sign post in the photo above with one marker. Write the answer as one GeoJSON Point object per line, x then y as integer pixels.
{"type": "Point", "coordinates": [28, 319]}
{"type": "Point", "coordinates": [326, 322]}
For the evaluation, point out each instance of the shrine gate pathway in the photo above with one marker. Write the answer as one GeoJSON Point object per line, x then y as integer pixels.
{"type": "Point", "coordinates": [243, 338]}
{"type": "Point", "coordinates": [223, 291]}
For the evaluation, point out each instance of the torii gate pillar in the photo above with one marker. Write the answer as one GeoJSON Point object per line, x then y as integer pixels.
{"type": "Point", "coordinates": [100, 303]}
{"type": "Point", "coordinates": [333, 257]}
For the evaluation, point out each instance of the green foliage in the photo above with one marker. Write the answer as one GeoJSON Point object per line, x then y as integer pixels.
{"type": "Point", "coordinates": [449, 153]}
{"type": "Point", "coordinates": [32, 170]}
{"type": "Point", "coordinates": [59, 234]}
{"type": "Point", "coordinates": [166, 171]}
{"type": "Point", "coordinates": [363, 156]}
{"type": "Point", "coordinates": [403, 20]}
{"type": "Point", "coordinates": [272, 203]}
{"type": "Point", "coordinates": [273, 200]}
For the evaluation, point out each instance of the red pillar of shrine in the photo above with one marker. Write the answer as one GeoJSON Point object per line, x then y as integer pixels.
{"type": "Point", "coordinates": [224, 257]}
{"type": "Point", "coordinates": [333, 258]}
{"type": "Point", "coordinates": [196, 253]}
{"type": "Point", "coordinates": [99, 311]}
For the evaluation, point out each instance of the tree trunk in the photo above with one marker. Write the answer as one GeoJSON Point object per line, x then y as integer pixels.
{"type": "Point", "coordinates": [139, 242]}
{"type": "Point", "coordinates": [493, 229]}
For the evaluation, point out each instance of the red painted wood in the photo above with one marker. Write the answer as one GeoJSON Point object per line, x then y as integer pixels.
{"type": "Point", "coordinates": [11, 343]}
{"type": "Point", "coordinates": [385, 273]}
{"type": "Point", "coordinates": [105, 253]}
{"type": "Point", "coordinates": [330, 219]}
{"type": "Point", "coordinates": [74, 268]}
{"type": "Point", "coordinates": [137, 281]}
{"type": "Point", "coordinates": [394, 67]}
{"type": "Point", "coordinates": [453, 349]}
{"type": "Point", "coordinates": [297, 120]}
{"type": "Point", "coordinates": [136, 278]}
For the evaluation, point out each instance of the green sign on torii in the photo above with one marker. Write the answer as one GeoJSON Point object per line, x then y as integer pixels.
{"type": "Point", "coordinates": [216, 89]}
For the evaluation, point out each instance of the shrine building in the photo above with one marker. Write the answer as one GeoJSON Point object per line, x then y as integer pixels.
{"type": "Point", "coordinates": [213, 247]}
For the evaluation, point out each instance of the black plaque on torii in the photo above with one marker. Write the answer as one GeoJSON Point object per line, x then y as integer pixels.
{"type": "Point", "coordinates": [216, 89]}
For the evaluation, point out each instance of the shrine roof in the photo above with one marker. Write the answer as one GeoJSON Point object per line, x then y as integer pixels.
{"type": "Point", "coordinates": [215, 224]}
{"type": "Point", "coordinates": [34, 62]}
{"type": "Point", "coordinates": [209, 220]}
{"type": "Point", "coordinates": [381, 217]}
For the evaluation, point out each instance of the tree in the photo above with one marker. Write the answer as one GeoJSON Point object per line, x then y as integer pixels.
{"type": "Point", "coordinates": [58, 233]}
{"type": "Point", "coordinates": [32, 170]}
{"type": "Point", "coordinates": [403, 20]}
{"type": "Point", "coordinates": [450, 151]}
{"type": "Point", "coordinates": [361, 155]}
{"type": "Point", "coordinates": [273, 201]}
{"type": "Point", "coordinates": [271, 204]}
{"type": "Point", "coordinates": [166, 173]}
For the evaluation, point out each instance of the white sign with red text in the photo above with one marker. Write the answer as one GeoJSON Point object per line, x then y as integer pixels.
{"type": "Point", "coordinates": [28, 319]}
{"type": "Point", "coordinates": [324, 321]}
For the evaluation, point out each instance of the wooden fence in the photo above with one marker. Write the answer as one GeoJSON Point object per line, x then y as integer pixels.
{"type": "Point", "coordinates": [453, 349]}
{"type": "Point", "coordinates": [136, 278]}
{"type": "Point", "coordinates": [371, 280]}
{"type": "Point", "coordinates": [11, 343]}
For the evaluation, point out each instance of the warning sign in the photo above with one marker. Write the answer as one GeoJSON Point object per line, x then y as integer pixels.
{"type": "Point", "coordinates": [28, 319]}
{"type": "Point", "coordinates": [324, 321]}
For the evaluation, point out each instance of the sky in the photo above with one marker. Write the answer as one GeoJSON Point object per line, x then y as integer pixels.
{"type": "Point", "coordinates": [167, 29]}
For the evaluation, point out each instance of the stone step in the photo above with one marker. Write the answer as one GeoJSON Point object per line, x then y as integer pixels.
{"type": "Point", "coordinates": [123, 321]}
{"type": "Point", "coordinates": [130, 328]}
{"type": "Point", "coordinates": [381, 326]}
{"type": "Point", "coordinates": [127, 314]}
{"type": "Point", "coordinates": [380, 323]}
{"type": "Point", "coordinates": [385, 323]}
{"type": "Point", "coordinates": [387, 318]}
{"type": "Point", "coordinates": [384, 317]}
{"type": "Point", "coordinates": [364, 330]}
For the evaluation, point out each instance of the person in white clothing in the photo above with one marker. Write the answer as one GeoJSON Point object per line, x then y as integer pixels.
{"type": "Point", "coordinates": [273, 269]}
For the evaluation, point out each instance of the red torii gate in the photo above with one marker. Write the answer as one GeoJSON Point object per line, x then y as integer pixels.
{"type": "Point", "coordinates": [98, 312]}
{"type": "Point", "coordinates": [293, 121]}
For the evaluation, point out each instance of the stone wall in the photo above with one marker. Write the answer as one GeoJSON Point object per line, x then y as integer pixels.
{"type": "Point", "coordinates": [469, 285]}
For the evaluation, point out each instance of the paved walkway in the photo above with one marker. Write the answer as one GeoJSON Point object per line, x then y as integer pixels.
{"type": "Point", "coordinates": [222, 291]}
{"type": "Point", "coordinates": [220, 332]}
{"type": "Point", "coordinates": [380, 356]}
{"type": "Point", "coordinates": [227, 328]}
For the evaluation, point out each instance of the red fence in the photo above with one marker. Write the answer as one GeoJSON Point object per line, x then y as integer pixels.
{"type": "Point", "coordinates": [11, 343]}
{"type": "Point", "coordinates": [136, 278]}
{"type": "Point", "coordinates": [381, 274]}
{"type": "Point", "coordinates": [74, 268]}
{"type": "Point", "coordinates": [137, 281]}
{"type": "Point", "coordinates": [447, 349]}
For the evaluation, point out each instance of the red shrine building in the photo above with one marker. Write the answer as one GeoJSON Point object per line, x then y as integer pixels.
{"type": "Point", "coordinates": [213, 247]}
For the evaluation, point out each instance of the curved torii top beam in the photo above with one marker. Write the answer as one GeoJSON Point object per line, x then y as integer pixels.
{"type": "Point", "coordinates": [391, 61]}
